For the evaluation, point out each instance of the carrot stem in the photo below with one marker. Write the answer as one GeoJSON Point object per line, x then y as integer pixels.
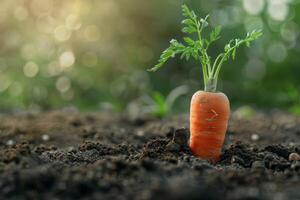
{"type": "Point", "coordinates": [210, 85]}
{"type": "Point", "coordinates": [197, 49]}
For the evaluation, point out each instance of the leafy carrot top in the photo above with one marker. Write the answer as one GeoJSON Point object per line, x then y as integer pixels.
{"type": "Point", "coordinates": [197, 48]}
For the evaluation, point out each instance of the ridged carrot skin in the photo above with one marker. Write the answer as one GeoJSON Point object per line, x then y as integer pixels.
{"type": "Point", "coordinates": [209, 114]}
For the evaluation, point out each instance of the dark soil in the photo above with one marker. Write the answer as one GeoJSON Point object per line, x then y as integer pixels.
{"type": "Point", "coordinates": [68, 155]}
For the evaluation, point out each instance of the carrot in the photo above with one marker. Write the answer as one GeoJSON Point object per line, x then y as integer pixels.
{"type": "Point", "coordinates": [209, 111]}
{"type": "Point", "coordinates": [208, 123]}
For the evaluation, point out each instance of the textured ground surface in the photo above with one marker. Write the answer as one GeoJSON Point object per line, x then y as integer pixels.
{"type": "Point", "coordinates": [68, 155]}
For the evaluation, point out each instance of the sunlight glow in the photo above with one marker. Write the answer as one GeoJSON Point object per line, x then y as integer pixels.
{"type": "Point", "coordinates": [4, 82]}
{"type": "Point", "coordinates": [66, 59]}
{"type": "Point", "coordinates": [61, 33]}
{"type": "Point", "coordinates": [63, 84]}
{"type": "Point", "coordinates": [277, 52]}
{"type": "Point", "coordinates": [30, 69]}
{"type": "Point", "coordinates": [278, 10]}
{"type": "Point", "coordinates": [253, 7]}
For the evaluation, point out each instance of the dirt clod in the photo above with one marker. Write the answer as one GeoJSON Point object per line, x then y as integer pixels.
{"type": "Point", "coordinates": [172, 146]}
{"type": "Point", "coordinates": [180, 137]}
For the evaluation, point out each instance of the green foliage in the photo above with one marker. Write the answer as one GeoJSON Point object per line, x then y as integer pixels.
{"type": "Point", "coordinates": [293, 94]}
{"type": "Point", "coordinates": [174, 48]}
{"type": "Point", "coordinates": [197, 48]}
{"type": "Point", "coordinates": [245, 112]}
{"type": "Point", "coordinates": [161, 106]}
{"type": "Point", "coordinates": [295, 110]}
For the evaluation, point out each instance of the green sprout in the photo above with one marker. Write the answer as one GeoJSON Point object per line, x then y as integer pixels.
{"type": "Point", "coordinates": [160, 106]}
{"type": "Point", "coordinates": [197, 48]}
{"type": "Point", "coordinates": [293, 94]}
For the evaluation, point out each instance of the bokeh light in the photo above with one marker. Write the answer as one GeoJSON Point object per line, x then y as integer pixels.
{"type": "Point", "coordinates": [277, 52]}
{"type": "Point", "coordinates": [253, 7]}
{"type": "Point", "coordinates": [66, 59]}
{"type": "Point", "coordinates": [73, 22]}
{"type": "Point", "coordinates": [63, 84]}
{"type": "Point", "coordinates": [61, 33]}
{"type": "Point", "coordinates": [278, 9]}
{"type": "Point", "coordinates": [30, 69]}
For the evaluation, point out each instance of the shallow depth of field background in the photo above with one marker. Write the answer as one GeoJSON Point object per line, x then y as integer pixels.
{"type": "Point", "coordinates": [93, 55]}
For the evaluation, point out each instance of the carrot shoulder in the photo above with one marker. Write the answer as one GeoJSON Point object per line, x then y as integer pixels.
{"type": "Point", "coordinates": [209, 114]}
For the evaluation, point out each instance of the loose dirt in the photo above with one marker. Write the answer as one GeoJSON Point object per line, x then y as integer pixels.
{"type": "Point", "coordinates": [71, 155]}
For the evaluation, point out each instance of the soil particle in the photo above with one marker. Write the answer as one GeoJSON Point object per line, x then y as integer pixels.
{"type": "Point", "coordinates": [179, 141]}
{"type": "Point", "coordinates": [279, 150]}
{"type": "Point", "coordinates": [39, 149]}
{"type": "Point", "coordinates": [258, 165]}
{"type": "Point", "coordinates": [155, 148]}
{"type": "Point", "coordinates": [238, 160]}
{"type": "Point", "coordinates": [172, 146]}
{"type": "Point", "coordinates": [240, 153]}
{"type": "Point", "coordinates": [9, 155]}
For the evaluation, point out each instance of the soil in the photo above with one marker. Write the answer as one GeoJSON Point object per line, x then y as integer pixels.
{"type": "Point", "coordinates": [71, 155]}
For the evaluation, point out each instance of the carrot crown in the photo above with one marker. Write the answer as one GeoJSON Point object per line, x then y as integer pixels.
{"type": "Point", "coordinates": [196, 47]}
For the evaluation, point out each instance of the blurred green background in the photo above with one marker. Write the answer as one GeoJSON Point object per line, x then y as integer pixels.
{"type": "Point", "coordinates": [93, 54]}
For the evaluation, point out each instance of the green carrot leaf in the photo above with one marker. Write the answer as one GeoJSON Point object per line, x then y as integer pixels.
{"type": "Point", "coordinates": [174, 48]}
{"type": "Point", "coordinates": [196, 46]}
{"type": "Point", "coordinates": [189, 41]}
{"type": "Point", "coordinates": [215, 34]}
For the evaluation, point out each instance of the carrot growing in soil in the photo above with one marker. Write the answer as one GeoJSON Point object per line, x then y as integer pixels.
{"type": "Point", "coordinates": [210, 109]}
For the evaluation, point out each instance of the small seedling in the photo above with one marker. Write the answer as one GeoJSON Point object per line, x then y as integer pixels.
{"type": "Point", "coordinates": [160, 106]}
{"type": "Point", "coordinates": [210, 109]}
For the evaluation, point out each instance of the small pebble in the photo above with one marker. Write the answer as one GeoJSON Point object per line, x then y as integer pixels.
{"type": "Point", "coordinates": [238, 160]}
{"type": "Point", "coordinates": [291, 144]}
{"type": "Point", "coordinates": [186, 158]}
{"type": "Point", "coordinates": [45, 137]}
{"type": "Point", "coordinates": [10, 142]}
{"type": "Point", "coordinates": [274, 127]}
{"type": "Point", "coordinates": [122, 130]}
{"type": "Point", "coordinates": [294, 157]}
{"type": "Point", "coordinates": [140, 133]}
{"type": "Point", "coordinates": [254, 137]}
{"type": "Point", "coordinates": [70, 149]}
{"type": "Point", "coordinates": [258, 165]}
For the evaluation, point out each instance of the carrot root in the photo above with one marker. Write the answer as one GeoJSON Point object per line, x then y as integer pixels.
{"type": "Point", "coordinates": [209, 114]}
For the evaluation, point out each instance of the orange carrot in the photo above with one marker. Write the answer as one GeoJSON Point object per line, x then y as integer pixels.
{"type": "Point", "coordinates": [208, 123]}
{"type": "Point", "coordinates": [209, 109]}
